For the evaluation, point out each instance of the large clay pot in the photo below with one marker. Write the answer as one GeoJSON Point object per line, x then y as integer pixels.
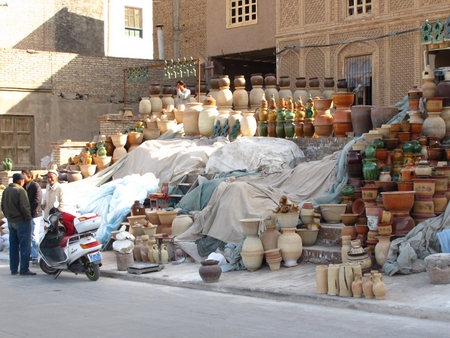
{"type": "Point", "coordinates": [285, 91]}
{"type": "Point", "coordinates": [361, 120]}
{"type": "Point", "coordinates": [73, 176]}
{"type": "Point", "coordinates": [301, 91]}
{"type": "Point", "coordinates": [240, 95]}
{"type": "Point", "coordinates": [434, 125]}
{"type": "Point", "coordinates": [382, 115]}
{"type": "Point", "coordinates": [323, 123]}
{"type": "Point", "coordinates": [256, 94]}
{"type": "Point", "coordinates": [252, 252]}
{"type": "Point", "coordinates": [270, 83]}
{"type": "Point", "coordinates": [232, 118]}
{"type": "Point", "coordinates": [145, 107]}
{"type": "Point", "coordinates": [210, 271]}
{"type": "Point", "coordinates": [180, 224]}
{"type": "Point", "coordinates": [134, 139]}
{"type": "Point", "coordinates": [190, 118]}
{"type": "Point", "coordinates": [269, 238]}
{"type": "Point", "coordinates": [443, 90]}
{"type": "Point", "coordinates": [206, 120]}
{"type": "Point", "coordinates": [290, 244]}
{"type": "Point", "coordinates": [248, 124]}
{"type": "Point", "coordinates": [342, 122]}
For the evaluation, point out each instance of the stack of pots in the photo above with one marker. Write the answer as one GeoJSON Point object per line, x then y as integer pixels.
{"type": "Point", "coordinates": [342, 123]}
{"type": "Point", "coordinates": [423, 203]}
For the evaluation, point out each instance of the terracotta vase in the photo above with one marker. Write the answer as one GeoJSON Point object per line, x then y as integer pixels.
{"type": "Point", "coordinates": [210, 271]}
{"type": "Point", "coordinates": [379, 287]}
{"type": "Point", "coordinates": [342, 116]}
{"type": "Point", "coordinates": [345, 247]}
{"type": "Point", "coordinates": [290, 244]}
{"type": "Point", "coordinates": [308, 127]}
{"type": "Point", "coordinates": [272, 128]}
{"type": "Point", "coordinates": [323, 122]}
{"type": "Point", "coordinates": [434, 125]}
{"type": "Point", "coordinates": [357, 286]}
{"type": "Point", "coordinates": [382, 115]}
{"type": "Point", "coordinates": [321, 279]}
{"type": "Point", "coordinates": [361, 121]}
{"type": "Point", "coordinates": [368, 286]}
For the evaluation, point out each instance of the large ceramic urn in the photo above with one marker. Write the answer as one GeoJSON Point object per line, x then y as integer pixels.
{"type": "Point", "coordinates": [207, 117]}
{"type": "Point", "coordinates": [285, 88]}
{"type": "Point", "coordinates": [301, 91]}
{"type": "Point", "coordinates": [214, 83]}
{"type": "Point", "coordinates": [328, 84]}
{"type": "Point", "coordinates": [225, 96]}
{"type": "Point", "coordinates": [257, 91]}
{"type": "Point", "coordinates": [270, 82]}
{"type": "Point", "coordinates": [167, 100]}
{"type": "Point", "coordinates": [155, 90]}
{"type": "Point", "coordinates": [248, 124]}
{"type": "Point", "coordinates": [145, 106]}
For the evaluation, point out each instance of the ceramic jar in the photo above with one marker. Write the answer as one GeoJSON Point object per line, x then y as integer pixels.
{"type": "Point", "coordinates": [379, 287]}
{"type": "Point", "coordinates": [342, 122]}
{"type": "Point", "coordinates": [240, 95]}
{"type": "Point", "coordinates": [225, 96]}
{"type": "Point", "coordinates": [269, 238]}
{"type": "Point", "coordinates": [300, 84]}
{"type": "Point", "coordinates": [321, 279]}
{"type": "Point", "coordinates": [285, 91]}
{"type": "Point", "coordinates": [434, 125]}
{"type": "Point", "coordinates": [359, 255]}
{"type": "Point", "coordinates": [345, 248]}
{"type": "Point", "coordinates": [270, 82]}
{"type": "Point", "coordinates": [190, 118]}
{"type": "Point", "coordinates": [328, 84]}
{"type": "Point", "coordinates": [382, 115]}
{"type": "Point", "coordinates": [144, 248]}
{"type": "Point", "coordinates": [333, 279]}
{"type": "Point", "coordinates": [314, 85]}
{"type": "Point", "coordinates": [214, 83]}
{"type": "Point", "coordinates": [345, 281]}
{"type": "Point", "coordinates": [248, 124]}
{"type": "Point", "coordinates": [232, 118]}
{"type": "Point", "coordinates": [181, 224]}
{"type": "Point", "coordinates": [155, 100]}
{"type": "Point", "coordinates": [257, 91]}
{"type": "Point", "coordinates": [145, 106]}
{"type": "Point", "coordinates": [382, 249]}
{"type": "Point", "coordinates": [210, 271]}
{"type": "Point", "coordinates": [206, 119]}
{"type": "Point", "coordinates": [290, 244]}
{"type": "Point", "coordinates": [323, 123]}
{"type": "Point", "coordinates": [252, 249]}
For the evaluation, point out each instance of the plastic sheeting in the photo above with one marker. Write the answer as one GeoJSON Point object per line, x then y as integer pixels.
{"type": "Point", "coordinates": [256, 154]}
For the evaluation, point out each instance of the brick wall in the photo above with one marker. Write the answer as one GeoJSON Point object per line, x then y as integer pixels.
{"type": "Point", "coordinates": [63, 150]}
{"type": "Point", "coordinates": [111, 125]}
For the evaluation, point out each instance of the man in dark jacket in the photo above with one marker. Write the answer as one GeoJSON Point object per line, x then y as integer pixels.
{"type": "Point", "coordinates": [16, 208]}
{"type": "Point", "coordinates": [34, 192]}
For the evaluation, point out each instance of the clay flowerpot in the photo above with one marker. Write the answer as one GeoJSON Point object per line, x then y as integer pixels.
{"type": "Point", "coordinates": [73, 176]}
{"type": "Point", "coordinates": [287, 220]}
{"type": "Point", "coordinates": [210, 271]}
{"type": "Point", "coordinates": [102, 162]}
{"type": "Point", "coordinates": [349, 219]}
{"type": "Point", "coordinates": [87, 170]}
{"type": "Point", "coordinates": [398, 201]}
{"type": "Point", "coordinates": [382, 115]}
{"type": "Point", "coordinates": [151, 133]}
{"type": "Point", "coordinates": [308, 237]}
{"type": "Point", "coordinates": [166, 217]}
{"type": "Point", "coordinates": [134, 139]}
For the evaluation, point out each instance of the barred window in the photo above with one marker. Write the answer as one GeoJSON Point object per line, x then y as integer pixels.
{"type": "Point", "coordinates": [133, 22]}
{"type": "Point", "coordinates": [241, 12]}
{"type": "Point", "coordinates": [358, 7]}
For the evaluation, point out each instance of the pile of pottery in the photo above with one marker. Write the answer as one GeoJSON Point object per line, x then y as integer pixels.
{"type": "Point", "coordinates": [345, 280]}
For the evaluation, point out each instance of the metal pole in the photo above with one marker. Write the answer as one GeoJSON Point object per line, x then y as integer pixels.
{"type": "Point", "coordinates": [124, 88]}
{"type": "Point", "coordinates": [198, 74]}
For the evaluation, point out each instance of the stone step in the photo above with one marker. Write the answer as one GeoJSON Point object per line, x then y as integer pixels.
{"type": "Point", "coordinates": [330, 234]}
{"type": "Point", "coordinates": [321, 254]}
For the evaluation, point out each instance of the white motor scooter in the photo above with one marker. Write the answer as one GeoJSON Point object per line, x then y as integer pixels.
{"type": "Point", "coordinates": [77, 253]}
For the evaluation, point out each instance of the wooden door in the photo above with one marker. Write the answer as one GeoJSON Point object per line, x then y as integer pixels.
{"type": "Point", "coordinates": [16, 140]}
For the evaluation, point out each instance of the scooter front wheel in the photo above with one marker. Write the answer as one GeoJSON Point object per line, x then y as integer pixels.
{"type": "Point", "coordinates": [92, 271]}
{"type": "Point", "coordinates": [47, 269]}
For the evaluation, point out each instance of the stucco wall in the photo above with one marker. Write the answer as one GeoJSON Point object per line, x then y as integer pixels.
{"type": "Point", "coordinates": [240, 39]}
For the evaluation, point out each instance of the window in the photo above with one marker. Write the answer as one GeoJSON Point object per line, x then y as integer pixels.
{"type": "Point", "coordinates": [358, 7]}
{"type": "Point", "coordinates": [358, 72]}
{"type": "Point", "coordinates": [133, 22]}
{"type": "Point", "coordinates": [241, 12]}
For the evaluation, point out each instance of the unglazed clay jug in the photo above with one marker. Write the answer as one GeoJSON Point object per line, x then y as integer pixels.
{"type": "Point", "coordinates": [164, 254]}
{"type": "Point", "coordinates": [382, 249]}
{"type": "Point", "coordinates": [367, 286]}
{"type": "Point", "coordinates": [357, 286]}
{"type": "Point", "coordinates": [379, 287]}
{"type": "Point", "coordinates": [210, 271]}
{"type": "Point", "coordinates": [269, 238]}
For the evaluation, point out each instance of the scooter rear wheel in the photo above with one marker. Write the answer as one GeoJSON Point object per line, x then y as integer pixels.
{"type": "Point", "coordinates": [47, 269]}
{"type": "Point", "coordinates": [92, 271]}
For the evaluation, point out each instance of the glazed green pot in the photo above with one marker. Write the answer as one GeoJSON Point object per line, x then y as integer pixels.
{"type": "Point", "coordinates": [407, 148]}
{"type": "Point", "coordinates": [370, 170]}
{"type": "Point", "coordinates": [262, 129]}
{"type": "Point", "coordinates": [280, 130]}
{"type": "Point", "coordinates": [378, 143]}
{"type": "Point", "coordinates": [370, 151]}
{"type": "Point", "coordinates": [289, 128]}
{"type": "Point", "coordinates": [348, 190]}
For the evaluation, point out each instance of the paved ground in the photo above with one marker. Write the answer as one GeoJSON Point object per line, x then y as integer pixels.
{"type": "Point", "coordinates": [409, 295]}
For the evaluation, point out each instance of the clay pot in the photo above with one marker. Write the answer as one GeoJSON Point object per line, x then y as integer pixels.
{"type": "Point", "coordinates": [398, 201]}
{"type": "Point", "coordinates": [269, 238]}
{"type": "Point", "coordinates": [379, 287]}
{"type": "Point", "coordinates": [73, 176]}
{"type": "Point", "coordinates": [314, 82]}
{"type": "Point", "coordinates": [252, 253]}
{"type": "Point", "coordinates": [382, 249]}
{"type": "Point", "coordinates": [434, 125]}
{"type": "Point", "coordinates": [210, 271]}
{"type": "Point", "coordinates": [257, 79]}
{"type": "Point", "coordinates": [308, 237]}
{"type": "Point", "coordinates": [424, 187]}
{"type": "Point", "coordinates": [180, 224]}
{"type": "Point", "coordinates": [270, 79]}
{"type": "Point", "coordinates": [145, 107]}
{"type": "Point", "coordinates": [290, 245]}
{"type": "Point", "coordinates": [357, 286]}
{"type": "Point", "coordinates": [323, 123]}
{"type": "Point", "coordinates": [342, 85]}
{"type": "Point", "coordinates": [382, 115]}
{"type": "Point", "coordinates": [190, 118]}
{"type": "Point", "coordinates": [248, 124]}
{"type": "Point", "coordinates": [87, 170]}
{"type": "Point", "coordinates": [367, 286]}
{"type": "Point", "coordinates": [206, 120]}
{"type": "Point", "coordinates": [361, 120]}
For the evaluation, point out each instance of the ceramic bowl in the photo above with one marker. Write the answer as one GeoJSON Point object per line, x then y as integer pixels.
{"type": "Point", "coordinates": [167, 217]}
{"type": "Point", "coordinates": [349, 219]}
{"type": "Point", "coordinates": [150, 231]}
{"type": "Point", "coordinates": [332, 212]}
{"type": "Point", "coordinates": [137, 220]}
{"type": "Point", "coordinates": [250, 226]}
{"type": "Point", "coordinates": [288, 220]}
{"type": "Point", "coordinates": [152, 216]}
{"type": "Point", "coordinates": [400, 202]}
{"type": "Point", "coordinates": [309, 237]}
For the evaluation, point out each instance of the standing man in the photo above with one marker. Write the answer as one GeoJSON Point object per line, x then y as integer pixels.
{"type": "Point", "coordinates": [34, 192]}
{"type": "Point", "coordinates": [183, 94]}
{"type": "Point", "coordinates": [54, 193]}
{"type": "Point", "coordinates": [16, 207]}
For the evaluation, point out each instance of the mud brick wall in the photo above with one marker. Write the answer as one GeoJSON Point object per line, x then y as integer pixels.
{"type": "Point", "coordinates": [62, 150]}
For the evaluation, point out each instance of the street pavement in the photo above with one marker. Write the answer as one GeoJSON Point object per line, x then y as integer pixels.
{"type": "Point", "coordinates": [407, 295]}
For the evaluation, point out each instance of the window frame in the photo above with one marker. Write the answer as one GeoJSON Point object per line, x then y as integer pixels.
{"type": "Point", "coordinates": [241, 4]}
{"type": "Point", "coordinates": [137, 30]}
{"type": "Point", "coordinates": [354, 5]}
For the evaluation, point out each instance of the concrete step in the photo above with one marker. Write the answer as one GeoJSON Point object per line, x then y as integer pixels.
{"type": "Point", "coordinates": [330, 234]}
{"type": "Point", "coordinates": [321, 254]}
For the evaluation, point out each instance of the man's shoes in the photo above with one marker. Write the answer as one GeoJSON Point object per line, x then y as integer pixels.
{"type": "Point", "coordinates": [14, 272]}
{"type": "Point", "coordinates": [28, 273]}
